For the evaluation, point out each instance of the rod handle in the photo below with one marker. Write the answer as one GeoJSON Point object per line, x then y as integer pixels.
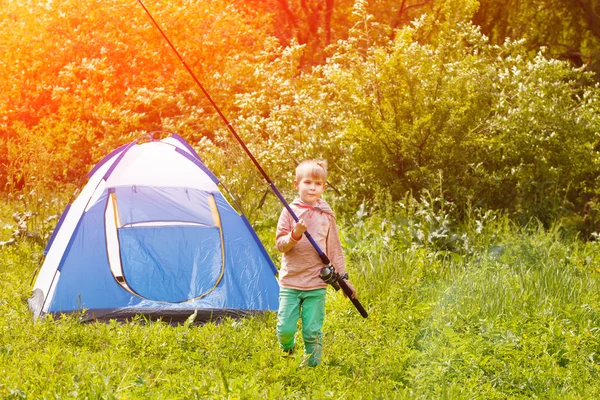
{"type": "Point", "coordinates": [356, 303]}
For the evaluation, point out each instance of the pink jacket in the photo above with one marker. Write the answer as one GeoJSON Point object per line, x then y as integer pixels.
{"type": "Point", "coordinates": [300, 263]}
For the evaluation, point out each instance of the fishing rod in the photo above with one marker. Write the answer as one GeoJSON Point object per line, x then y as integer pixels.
{"type": "Point", "coordinates": [328, 273]}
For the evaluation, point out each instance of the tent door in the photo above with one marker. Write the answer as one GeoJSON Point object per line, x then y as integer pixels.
{"type": "Point", "coordinates": [169, 261]}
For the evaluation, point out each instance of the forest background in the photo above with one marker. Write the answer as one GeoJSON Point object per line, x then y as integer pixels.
{"type": "Point", "coordinates": [499, 102]}
{"type": "Point", "coordinates": [463, 144]}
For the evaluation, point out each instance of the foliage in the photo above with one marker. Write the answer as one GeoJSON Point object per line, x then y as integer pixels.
{"type": "Point", "coordinates": [570, 29]}
{"type": "Point", "coordinates": [501, 130]}
{"type": "Point", "coordinates": [93, 75]}
{"type": "Point", "coordinates": [318, 25]}
{"type": "Point", "coordinates": [33, 217]}
{"type": "Point", "coordinates": [540, 142]}
{"type": "Point", "coordinates": [393, 110]}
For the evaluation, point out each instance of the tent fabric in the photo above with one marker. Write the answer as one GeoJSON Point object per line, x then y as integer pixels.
{"type": "Point", "coordinates": [152, 234]}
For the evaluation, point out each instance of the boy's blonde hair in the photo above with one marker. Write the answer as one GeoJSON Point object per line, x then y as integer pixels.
{"type": "Point", "coordinates": [312, 169]}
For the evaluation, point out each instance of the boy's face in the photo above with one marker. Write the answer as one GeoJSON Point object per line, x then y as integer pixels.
{"type": "Point", "coordinates": [310, 189]}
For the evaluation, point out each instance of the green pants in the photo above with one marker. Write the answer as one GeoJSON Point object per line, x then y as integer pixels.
{"type": "Point", "coordinates": [309, 306]}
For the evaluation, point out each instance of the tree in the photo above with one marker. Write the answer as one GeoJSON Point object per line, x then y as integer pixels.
{"type": "Point", "coordinates": [440, 105]}
{"type": "Point", "coordinates": [570, 29]}
{"type": "Point", "coordinates": [79, 78]}
{"type": "Point", "coordinates": [317, 24]}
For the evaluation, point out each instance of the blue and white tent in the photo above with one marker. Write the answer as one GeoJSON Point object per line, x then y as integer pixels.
{"type": "Point", "coordinates": [151, 234]}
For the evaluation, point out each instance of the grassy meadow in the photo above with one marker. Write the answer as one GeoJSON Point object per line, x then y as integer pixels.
{"type": "Point", "coordinates": [480, 310]}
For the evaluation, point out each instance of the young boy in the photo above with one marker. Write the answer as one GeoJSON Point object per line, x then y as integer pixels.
{"type": "Point", "coordinates": [302, 294]}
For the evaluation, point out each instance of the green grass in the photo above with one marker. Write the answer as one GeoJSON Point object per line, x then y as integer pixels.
{"type": "Point", "coordinates": [505, 312]}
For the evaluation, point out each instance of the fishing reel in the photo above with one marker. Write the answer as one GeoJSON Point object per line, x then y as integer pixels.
{"type": "Point", "coordinates": [330, 276]}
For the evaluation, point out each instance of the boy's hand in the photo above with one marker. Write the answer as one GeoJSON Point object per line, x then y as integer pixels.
{"type": "Point", "coordinates": [299, 229]}
{"type": "Point", "coordinates": [351, 288]}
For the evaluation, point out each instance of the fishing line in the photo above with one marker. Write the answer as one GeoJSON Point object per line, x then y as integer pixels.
{"type": "Point", "coordinates": [320, 252]}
